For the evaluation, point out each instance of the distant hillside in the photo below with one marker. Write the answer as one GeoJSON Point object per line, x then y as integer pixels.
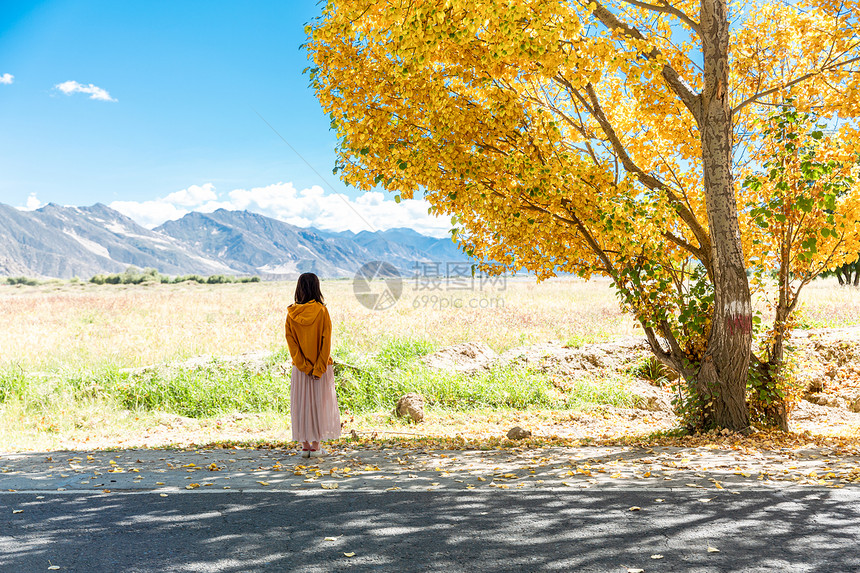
{"type": "Point", "coordinates": [63, 242]}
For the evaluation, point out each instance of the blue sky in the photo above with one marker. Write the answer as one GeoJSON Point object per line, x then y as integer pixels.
{"type": "Point", "coordinates": [150, 107]}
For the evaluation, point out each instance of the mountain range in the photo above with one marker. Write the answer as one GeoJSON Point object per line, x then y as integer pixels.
{"type": "Point", "coordinates": [63, 242]}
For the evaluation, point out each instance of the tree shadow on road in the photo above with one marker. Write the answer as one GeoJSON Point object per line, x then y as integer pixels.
{"type": "Point", "coordinates": [592, 530]}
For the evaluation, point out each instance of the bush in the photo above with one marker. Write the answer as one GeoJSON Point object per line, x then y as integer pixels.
{"type": "Point", "coordinates": [134, 276]}
{"type": "Point", "coordinates": [22, 281]}
{"type": "Point", "coordinates": [219, 280]}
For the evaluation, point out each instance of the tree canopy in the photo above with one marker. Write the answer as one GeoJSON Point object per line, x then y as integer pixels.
{"type": "Point", "coordinates": [605, 137]}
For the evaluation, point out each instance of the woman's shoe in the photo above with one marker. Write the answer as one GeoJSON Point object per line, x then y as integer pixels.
{"type": "Point", "coordinates": [317, 453]}
{"type": "Point", "coordinates": [306, 453]}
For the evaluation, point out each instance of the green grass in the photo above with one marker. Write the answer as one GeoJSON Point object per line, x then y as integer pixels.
{"type": "Point", "coordinates": [376, 382]}
{"type": "Point", "coordinates": [366, 383]}
{"type": "Point", "coordinates": [206, 391]}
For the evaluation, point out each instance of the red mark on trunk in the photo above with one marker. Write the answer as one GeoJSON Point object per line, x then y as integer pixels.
{"type": "Point", "coordinates": [740, 323]}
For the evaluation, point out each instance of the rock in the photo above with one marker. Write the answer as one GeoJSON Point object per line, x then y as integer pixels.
{"type": "Point", "coordinates": [814, 385]}
{"type": "Point", "coordinates": [467, 357]}
{"type": "Point", "coordinates": [517, 433]}
{"type": "Point", "coordinates": [175, 420]}
{"type": "Point", "coordinates": [649, 397]}
{"type": "Point", "coordinates": [411, 404]}
{"type": "Point", "coordinates": [826, 400]}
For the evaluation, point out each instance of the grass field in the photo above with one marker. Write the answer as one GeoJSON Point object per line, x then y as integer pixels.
{"type": "Point", "coordinates": [64, 349]}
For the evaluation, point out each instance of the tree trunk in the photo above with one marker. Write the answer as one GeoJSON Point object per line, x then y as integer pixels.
{"type": "Point", "coordinates": [722, 379]}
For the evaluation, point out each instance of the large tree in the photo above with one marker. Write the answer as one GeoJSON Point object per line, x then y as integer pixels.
{"type": "Point", "coordinates": [590, 137]}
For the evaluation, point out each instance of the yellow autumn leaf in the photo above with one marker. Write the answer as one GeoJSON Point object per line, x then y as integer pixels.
{"type": "Point", "coordinates": [591, 160]}
{"type": "Point", "coordinates": [350, 554]}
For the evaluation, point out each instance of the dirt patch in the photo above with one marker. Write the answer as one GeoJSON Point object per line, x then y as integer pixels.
{"type": "Point", "coordinates": [618, 356]}
{"type": "Point", "coordinates": [467, 357]}
{"type": "Point", "coordinates": [828, 367]}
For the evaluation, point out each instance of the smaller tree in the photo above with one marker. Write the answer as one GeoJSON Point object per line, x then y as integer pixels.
{"type": "Point", "coordinates": [802, 219]}
{"type": "Point", "coordinates": [847, 274]}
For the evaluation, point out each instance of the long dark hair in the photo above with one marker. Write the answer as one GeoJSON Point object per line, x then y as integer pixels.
{"type": "Point", "coordinates": [308, 289]}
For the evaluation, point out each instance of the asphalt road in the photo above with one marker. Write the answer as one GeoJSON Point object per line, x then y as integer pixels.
{"type": "Point", "coordinates": [766, 529]}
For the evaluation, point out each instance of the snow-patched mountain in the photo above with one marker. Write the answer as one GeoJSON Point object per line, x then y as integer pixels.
{"type": "Point", "coordinates": [63, 242]}
{"type": "Point", "coordinates": [58, 241]}
{"type": "Point", "coordinates": [254, 244]}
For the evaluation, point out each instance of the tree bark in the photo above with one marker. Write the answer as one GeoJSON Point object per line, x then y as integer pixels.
{"type": "Point", "coordinates": [721, 381]}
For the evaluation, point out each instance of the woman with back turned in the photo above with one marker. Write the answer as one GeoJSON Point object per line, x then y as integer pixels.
{"type": "Point", "coordinates": [313, 402]}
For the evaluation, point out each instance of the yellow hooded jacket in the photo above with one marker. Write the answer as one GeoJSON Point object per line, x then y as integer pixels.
{"type": "Point", "coordinates": [308, 330]}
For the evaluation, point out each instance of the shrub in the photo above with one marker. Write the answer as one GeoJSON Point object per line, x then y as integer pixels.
{"type": "Point", "coordinates": [22, 281]}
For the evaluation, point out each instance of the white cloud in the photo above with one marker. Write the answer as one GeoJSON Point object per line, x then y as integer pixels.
{"type": "Point", "coordinates": [6, 79]}
{"type": "Point", "coordinates": [311, 207]}
{"type": "Point", "coordinates": [193, 196]}
{"type": "Point", "coordinates": [95, 92]}
{"type": "Point", "coordinates": [32, 203]}
{"type": "Point", "coordinates": [149, 213]}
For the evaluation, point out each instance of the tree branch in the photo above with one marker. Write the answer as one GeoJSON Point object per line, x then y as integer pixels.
{"type": "Point", "coordinates": [795, 81]}
{"type": "Point", "coordinates": [593, 106]}
{"type": "Point", "coordinates": [691, 100]}
{"type": "Point", "coordinates": [666, 8]}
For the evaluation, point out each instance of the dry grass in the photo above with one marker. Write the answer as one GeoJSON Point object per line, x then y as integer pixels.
{"type": "Point", "coordinates": [52, 326]}
{"type": "Point", "coordinates": [63, 328]}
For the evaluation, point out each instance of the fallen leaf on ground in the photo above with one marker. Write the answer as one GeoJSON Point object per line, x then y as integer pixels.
{"type": "Point", "coordinates": [263, 482]}
{"type": "Point", "coordinates": [17, 511]}
{"type": "Point", "coordinates": [713, 549]}
{"type": "Point", "coordinates": [329, 485]}
{"type": "Point", "coordinates": [635, 508]}
{"type": "Point", "coordinates": [350, 554]}
{"type": "Point", "coordinates": [333, 538]}
{"type": "Point", "coordinates": [657, 556]}
{"type": "Point", "coordinates": [192, 486]}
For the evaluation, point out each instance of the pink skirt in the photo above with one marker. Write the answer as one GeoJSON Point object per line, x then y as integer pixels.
{"type": "Point", "coordinates": [313, 407]}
